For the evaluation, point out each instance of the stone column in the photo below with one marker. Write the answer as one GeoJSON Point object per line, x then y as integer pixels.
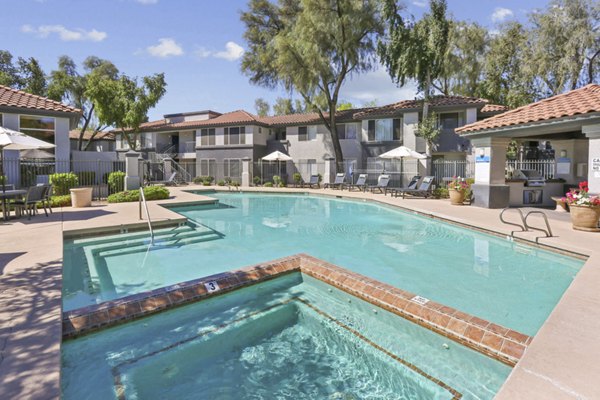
{"type": "Point", "coordinates": [132, 170]}
{"type": "Point", "coordinates": [330, 171]}
{"type": "Point", "coordinates": [246, 171]}
{"type": "Point", "coordinates": [592, 132]}
{"type": "Point", "coordinates": [490, 189]}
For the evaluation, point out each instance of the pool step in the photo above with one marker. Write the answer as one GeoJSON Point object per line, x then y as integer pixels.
{"type": "Point", "coordinates": [162, 244]}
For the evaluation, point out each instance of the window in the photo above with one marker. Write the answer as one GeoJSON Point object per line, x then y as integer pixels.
{"type": "Point", "coordinates": [383, 130]}
{"type": "Point", "coordinates": [38, 127]}
{"type": "Point", "coordinates": [449, 120]}
{"type": "Point", "coordinates": [207, 137]}
{"type": "Point", "coordinates": [235, 135]}
{"type": "Point", "coordinates": [208, 167]}
{"type": "Point", "coordinates": [232, 167]}
{"type": "Point", "coordinates": [306, 133]}
{"type": "Point", "coordinates": [347, 131]}
{"type": "Point", "coordinates": [307, 168]}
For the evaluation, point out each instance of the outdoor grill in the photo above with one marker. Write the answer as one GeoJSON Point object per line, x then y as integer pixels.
{"type": "Point", "coordinates": [532, 177]}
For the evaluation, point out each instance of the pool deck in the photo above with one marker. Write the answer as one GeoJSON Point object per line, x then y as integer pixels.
{"type": "Point", "coordinates": [560, 363]}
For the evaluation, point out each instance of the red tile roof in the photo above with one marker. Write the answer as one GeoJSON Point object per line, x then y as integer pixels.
{"type": "Point", "coordinates": [435, 101]}
{"type": "Point", "coordinates": [74, 134]}
{"type": "Point", "coordinates": [576, 102]}
{"type": "Point", "coordinates": [17, 98]}
{"type": "Point", "coordinates": [493, 108]}
{"type": "Point", "coordinates": [231, 118]}
{"type": "Point", "coordinates": [310, 118]}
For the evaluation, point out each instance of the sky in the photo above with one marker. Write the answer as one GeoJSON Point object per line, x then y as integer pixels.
{"type": "Point", "coordinates": [198, 44]}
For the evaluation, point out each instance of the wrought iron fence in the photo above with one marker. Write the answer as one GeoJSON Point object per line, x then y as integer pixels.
{"type": "Point", "coordinates": [545, 167]}
{"type": "Point", "coordinates": [444, 170]}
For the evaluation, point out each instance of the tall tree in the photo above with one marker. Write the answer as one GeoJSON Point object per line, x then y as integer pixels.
{"type": "Point", "coordinates": [311, 46]}
{"type": "Point", "coordinates": [262, 107]}
{"type": "Point", "coordinates": [71, 86]}
{"type": "Point", "coordinates": [124, 102]}
{"type": "Point", "coordinates": [31, 76]}
{"type": "Point", "coordinates": [415, 49]}
{"type": "Point", "coordinates": [283, 106]}
{"type": "Point", "coordinates": [9, 75]}
{"type": "Point", "coordinates": [345, 105]}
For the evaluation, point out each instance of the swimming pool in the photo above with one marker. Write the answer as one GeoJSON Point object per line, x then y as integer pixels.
{"type": "Point", "coordinates": [293, 337]}
{"type": "Point", "coordinates": [511, 284]}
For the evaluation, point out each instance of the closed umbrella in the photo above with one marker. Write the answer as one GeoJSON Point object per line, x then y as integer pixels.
{"type": "Point", "coordinates": [277, 156]}
{"type": "Point", "coordinates": [400, 153]}
{"type": "Point", "coordinates": [13, 140]}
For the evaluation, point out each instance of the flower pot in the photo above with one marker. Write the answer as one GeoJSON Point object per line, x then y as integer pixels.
{"type": "Point", "coordinates": [81, 197]}
{"type": "Point", "coordinates": [585, 218]}
{"type": "Point", "coordinates": [457, 197]}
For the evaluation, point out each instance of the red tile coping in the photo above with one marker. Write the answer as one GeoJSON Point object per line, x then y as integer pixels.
{"type": "Point", "coordinates": [493, 340]}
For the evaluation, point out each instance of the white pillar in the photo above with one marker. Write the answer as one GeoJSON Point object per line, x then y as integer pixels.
{"type": "Point", "coordinates": [132, 170]}
{"type": "Point", "coordinates": [330, 170]}
{"type": "Point", "coordinates": [246, 174]}
{"type": "Point", "coordinates": [490, 189]}
{"type": "Point", "coordinates": [592, 132]}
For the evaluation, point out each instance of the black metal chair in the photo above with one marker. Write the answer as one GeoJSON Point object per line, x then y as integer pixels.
{"type": "Point", "coordinates": [35, 195]}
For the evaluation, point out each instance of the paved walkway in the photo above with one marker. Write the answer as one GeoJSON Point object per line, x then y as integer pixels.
{"type": "Point", "coordinates": [561, 362]}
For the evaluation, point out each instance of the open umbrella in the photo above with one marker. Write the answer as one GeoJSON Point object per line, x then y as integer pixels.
{"type": "Point", "coordinates": [13, 140]}
{"type": "Point", "coordinates": [277, 156]}
{"type": "Point", "coordinates": [400, 153]}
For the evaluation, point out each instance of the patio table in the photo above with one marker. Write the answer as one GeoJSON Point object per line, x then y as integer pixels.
{"type": "Point", "coordinates": [8, 194]}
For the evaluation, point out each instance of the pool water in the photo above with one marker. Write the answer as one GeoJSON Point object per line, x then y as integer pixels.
{"type": "Point", "coordinates": [290, 338]}
{"type": "Point", "coordinates": [511, 284]}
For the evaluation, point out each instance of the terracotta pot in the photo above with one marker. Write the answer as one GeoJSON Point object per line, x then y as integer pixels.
{"type": "Point", "coordinates": [457, 197]}
{"type": "Point", "coordinates": [585, 218]}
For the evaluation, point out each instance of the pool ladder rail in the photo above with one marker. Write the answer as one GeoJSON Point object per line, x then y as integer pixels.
{"type": "Point", "coordinates": [142, 201]}
{"type": "Point", "coordinates": [525, 227]}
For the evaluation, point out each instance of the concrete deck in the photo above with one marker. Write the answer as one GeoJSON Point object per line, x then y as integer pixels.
{"type": "Point", "coordinates": [561, 362]}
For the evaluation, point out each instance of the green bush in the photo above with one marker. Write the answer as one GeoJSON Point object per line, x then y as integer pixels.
{"type": "Point", "coordinates": [63, 182]}
{"type": "Point", "coordinates": [277, 181]}
{"type": "Point", "coordinates": [268, 184]}
{"type": "Point", "coordinates": [151, 193]}
{"type": "Point", "coordinates": [116, 181]}
{"type": "Point", "coordinates": [2, 178]}
{"type": "Point", "coordinates": [206, 183]}
{"type": "Point", "coordinates": [60, 201]}
{"type": "Point", "coordinates": [86, 178]}
{"type": "Point", "coordinates": [228, 180]}
{"type": "Point", "coordinates": [256, 180]}
{"type": "Point", "coordinates": [203, 179]}
{"type": "Point", "coordinates": [221, 183]}
{"type": "Point", "coordinates": [297, 178]}
{"type": "Point", "coordinates": [441, 193]}
{"type": "Point", "coordinates": [235, 183]}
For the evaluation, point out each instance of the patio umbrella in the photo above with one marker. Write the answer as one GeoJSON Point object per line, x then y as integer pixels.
{"type": "Point", "coordinates": [277, 156]}
{"type": "Point", "coordinates": [13, 140]}
{"type": "Point", "coordinates": [36, 154]}
{"type": "Point", "coordinates": [400, 153]}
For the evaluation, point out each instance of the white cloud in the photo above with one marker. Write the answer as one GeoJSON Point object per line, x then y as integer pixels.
{"type": "Point", "coordinates": [421, 4]}
{"type": "Point", "coordinates": [65, 34]}
{"type": "Point", "coordinates": [232, 52]}
{"type": "Point", "coordinates": [376, 85]}
{"type": "Point", "coordinates": [166, 47]}
{"type": "Point", "coordinates": [500, 14]}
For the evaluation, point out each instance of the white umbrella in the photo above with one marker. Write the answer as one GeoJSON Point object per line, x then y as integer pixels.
{"type": "Point", "coordinates": [13, 140]}
{"type": "Point", "coordinates": [277, 156]}
{"type": "Point", "coordinates": [400, 153]}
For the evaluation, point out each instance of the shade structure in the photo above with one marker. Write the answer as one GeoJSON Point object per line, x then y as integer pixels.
{"type": "Point", "coordinates": [36, 154]}
{"type": "Point", "coordinates": [402, 152]}
{"type": "Point", "coordinates": [277, 156]}
{"type": "Point", "coordinates": [13, 140]}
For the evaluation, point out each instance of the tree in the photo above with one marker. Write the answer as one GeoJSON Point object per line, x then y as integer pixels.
{"type": "Point", "coordinates": [370, 103]}
{"type": "Point", "coordinates": [311, 46]}
{"type": "Point", "coordinates": [429, 129]}
{"type": "Point", "coordinates": [124, 102]}
{"type": "Point", "coordinates": [8, 72]}
{"type": "Point", "coordinates": [283, 106]}
{"type": "Point", "coordinates": [31, 77]}
{"type": "Point", "coordinates": [70, 86]}
{"type": "Point", "coordinates": [415, 50]}
{"type": "Point", "coordinates": [262, 107]}
{"type": "Point", "coordinates": [344, 105]}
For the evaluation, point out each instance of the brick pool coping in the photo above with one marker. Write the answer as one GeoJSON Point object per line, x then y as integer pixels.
{"type": "Point", "coordinates": [498, 342]}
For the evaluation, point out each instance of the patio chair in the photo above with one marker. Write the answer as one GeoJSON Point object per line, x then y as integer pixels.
{"type": "Point", "coordinates": [413, 184]}
{"type": "Point", "coordinates": [423, 189]}
{"type": "Point", "coordinates": [314, 181]}
{"type": "Point", "coordinates": [360, 184]}
{"type": "Point", "coordinates": [338, 183]}
{"type": "Point", "coordinates": [47, 197]}
{"type": "Point", "coordinates": [382, 184]}
{"type": "Point", "coordinates": [169, 182]}
{"type": "Point", "coordinates": [35, 195]}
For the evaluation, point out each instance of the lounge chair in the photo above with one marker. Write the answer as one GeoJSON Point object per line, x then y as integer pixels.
{"type": "Point", "coordinates": [423, 189]}
{"type": "Point", "coordinates": [169, 182]}
{"type": "Point", "coordinates": [361, 183]}
{"type": "Point", "coordinates": [382, 184]}
{"type": "Point", "coordinates": [413, 184]}
{"type": "Point", "coordinates": [338, 183]}
{"type": "Point", "coordinates": [35, 195]}
{"type": "Point", "coordinates": [314, 181]}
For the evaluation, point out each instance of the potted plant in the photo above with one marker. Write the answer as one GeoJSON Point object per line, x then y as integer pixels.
{"type": "Point", "coordinates": [585, 208]}
{"type": "Point", "coordinates": [457, 190]}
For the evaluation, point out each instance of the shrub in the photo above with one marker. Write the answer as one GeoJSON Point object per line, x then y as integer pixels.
{"type": "Point", "coordinates": [151, 193]}
{"type": "Point", "coordinates": [320, 178]}
{"type": "Point", "coordinates": [268, 184]}
{"type": "Point", "coordinates": [235, 183]}
{"type": "Point", "coordinates": [221, 183]}
{"type": "Point", "coordinates": [2, 178]}
{"type": "Point", "coordinates": [86, 177]}
{"type": "Point", "coordinates": [203, 180]}
{"type": "Point", "coordinates": [228, 180]}
{"type": "Point", "coordinates": [63, 182]}
{"type": "Point", "coordinates": [297, 178]}
{"type": "Point", "coordinates": [116, 181]}
{"type": "Point", "coordinates": [441, 193]}
{"type": "Point", "coordinates": [256, 180]}
{"type": "Point", "coordinates": [277, 181]}
{"type": "Point", "coordinates": [206, 183]}
{"type": "Point", "coordinates": [60, 201]}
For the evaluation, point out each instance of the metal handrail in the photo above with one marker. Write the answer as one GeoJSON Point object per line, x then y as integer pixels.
{"type": "Point", "coordinates": [142, 199]}
{"type": "Point", "coordinates": [547, 232]}
{"type": "Point", "coordinates": [523, 227]}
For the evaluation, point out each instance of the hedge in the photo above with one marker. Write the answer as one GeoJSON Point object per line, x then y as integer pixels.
{"type": "Point", "coordinates": [60, 201]}
{"type": "Point", "coordinates": [151, 193]}
{"type": "Point", "coordinates": [63, 182]}
{"type": "Point", "coordinates": [116, 181]}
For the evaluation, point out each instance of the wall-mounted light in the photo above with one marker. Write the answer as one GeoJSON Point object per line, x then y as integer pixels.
{"type": "Point", "coordinates": [563, 154]}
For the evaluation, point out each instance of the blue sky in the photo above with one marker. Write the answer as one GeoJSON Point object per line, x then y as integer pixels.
{"type": "Point", "coordinates": [196, 43]}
